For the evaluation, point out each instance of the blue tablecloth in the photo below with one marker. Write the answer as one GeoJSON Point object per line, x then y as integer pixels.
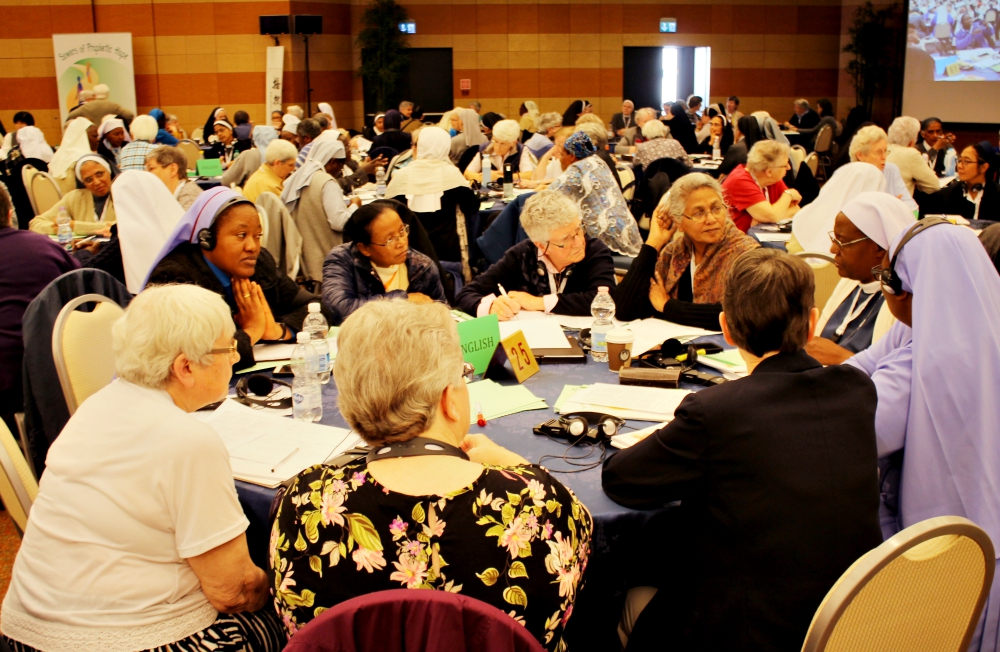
{"type": "Point", "coordinates": [615, 540]}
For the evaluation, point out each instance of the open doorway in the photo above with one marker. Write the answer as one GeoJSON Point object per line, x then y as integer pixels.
{"type": "Point", "coordinates": [654, 75]}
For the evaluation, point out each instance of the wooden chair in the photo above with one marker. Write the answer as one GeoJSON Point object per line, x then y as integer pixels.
{"type": "Point", "coordinates": [942, 32]}
{"type": "Point", "coordinates": [192, 152]}
{"type": "Point", "coordinates": [923, 589]}
{"type": "Point", "coordinates": [18, 487]}
{"type": "Point", "coordinates": [822, 147]}
{"type": "Point", "coordinates": [81, 347]}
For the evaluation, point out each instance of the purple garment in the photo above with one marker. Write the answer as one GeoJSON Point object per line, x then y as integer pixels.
{"type": "Point", "coordinates": [28, 262]}
{"type": "Point", "coordinates": [937, 381]}
{"type": "Point", "coordinates": [200, 216]}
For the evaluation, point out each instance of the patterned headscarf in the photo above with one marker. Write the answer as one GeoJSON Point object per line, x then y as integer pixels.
{"type": "Point", "coordinates": [580, 145]}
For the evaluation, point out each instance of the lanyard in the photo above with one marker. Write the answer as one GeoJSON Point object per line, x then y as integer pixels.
{"type": "Point", "coordinates": [975, 201]}
{"type": "Point", "coordinates": [552, 283]}
{"type": "Point", "coordinates": [853, 313]}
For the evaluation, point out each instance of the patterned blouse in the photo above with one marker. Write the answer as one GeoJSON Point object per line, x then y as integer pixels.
{"type": "Point", "coordinates": [605, 213]}
{"type": "Point", "coordinates": [658, 148]}
{"type": "Point", "coordinates": [516, 539]}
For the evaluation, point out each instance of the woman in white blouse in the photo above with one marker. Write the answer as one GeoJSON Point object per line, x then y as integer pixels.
{"type": "Point", "coordinates": [136, 540]}
{"type": "Point", "coordinates": [916, 173]}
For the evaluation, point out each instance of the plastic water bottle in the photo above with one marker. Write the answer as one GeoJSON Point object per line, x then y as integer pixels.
{"type": "Point", "coordinates": [603, 309]}
{"type": "Point", "coordinates": [716, 148]}
{"type": "Point", "coordinates": [307, 400]}
{"type": "Point", "coordinates": [380, 181]}
{"type": "Point", "coordinates": [487, 171]}
{"type": "Point", "coordinates": [508, 182]}
{"type": "Point", "coordinates": [64, 231]}
{"type": "Point", "coordinates": [315, 324]}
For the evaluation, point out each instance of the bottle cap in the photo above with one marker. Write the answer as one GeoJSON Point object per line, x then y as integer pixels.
{"type": "Point", "coordinates": [602, 289]}
{"type": "Point", "coordinates": [314, 307]}
{"type": "Point", "coordinates": [303, 337]}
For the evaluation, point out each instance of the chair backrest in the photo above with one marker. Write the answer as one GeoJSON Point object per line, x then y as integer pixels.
{"type": "Point", "coordinates": [812, 162]}
{"type": "Point", "coordinates": [192, 153]}
{"type": "Point", "coordinates": [466, 158]}
{"type": "Point", "coordinates": [942, 30]}
{"type": "Point", "coordinates": [797, 154]}
{"type": "Point", "coordinates": [991, 16]}
{"type": "Point", "coordinates": [824, 138]}
{"type": "Point", "coordinates": [81, 347]}
{"type": "Point", "coordinates": [197, 135]}
{"type": "Point", "coordinates": [44, 191]}
{"type": "Point", "coordinates": [28, 173]}
{"type": "Point", "coordinates": [825, 274]}
{"type": "Point", "coordinates": [410, 620]}
{"type": "Point", "coordinates": [923, 589]}
{"type": "Point", "coordinates": [18, 487]}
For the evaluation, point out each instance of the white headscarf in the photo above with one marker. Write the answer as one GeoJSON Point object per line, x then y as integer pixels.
{"type": "Point", "coordinates": [90, 158]}
{"type": "Point", "coordinates": [880, 216]}
{"type": "Point", "coordinates": [147, 214]}
{"type": "Point", "coordinates": [327, 110]}
{"type": "Point", "coordinates": [425, 180]}
{"type": "Point", "coordinates": [378, 132]}
{"type": "Point", "coordinates": [290, 123]}
{"type": "Point", "coordinates": [319, 155]}
{"type": "Point", "coordinates": [33, 144]}
{"type": "Point", "coordinates": [532, 115]}
{"type": "Point", "coordinates": [813, 224]}
{"type": "Point", "coordinates": [110, 123]}
{"type": "Point", "coordinates": [470, 128]}
{"type": "Point", "coordinates": [75, 143]}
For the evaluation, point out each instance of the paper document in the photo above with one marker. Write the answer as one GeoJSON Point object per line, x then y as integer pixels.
{"type": "Point", "coordinates": [652, 332]}
{"type": "Point", "coordinates": [728, 362]}
{"type": "Point", "coordinates": [267, 450]}
{"type": "Point", "coordinates": [498, 400]}
{"type": "Point", "coordinates": [545, 333]}
{"type": "Point", "coordinates": [773, 237]}
{"type": "Point", "coordinates": [628, 438]}
{"type": "Point", "coordinates": [268, 352]}
{"type": "Point", "coordinates": [632, 397]}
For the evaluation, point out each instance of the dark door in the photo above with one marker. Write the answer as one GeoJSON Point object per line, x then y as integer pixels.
{"type": "Point", "coordinates": [643, 76]}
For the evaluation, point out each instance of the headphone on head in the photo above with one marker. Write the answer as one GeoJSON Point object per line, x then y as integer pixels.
{"type": "Point", "coordinates": [890, 280]}
{"type": "Point", "coordinates": [206, 239]}
{"type": "Point", "coordinates": [256, 385]}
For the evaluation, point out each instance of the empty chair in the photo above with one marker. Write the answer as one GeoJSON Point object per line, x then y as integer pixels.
{"type": "Point", "coordinates": [812, 162]}
{"type": "Point", "coordinates": [43, 191]}
{"type": "Point", "coordinates": [18, 487]}
{"type": "Point", "coordinates": [192, 153]}
{"type": "Point", "coordinates": [81, 347]}
{"type": "Point", "coordinates": [825, 273]}
{"type": "Point", "coordinates": [942, 32]}
{"type": "Point", "coordinates": [824, 142]}
{"type": "Point", "coordinates": [923, 589]}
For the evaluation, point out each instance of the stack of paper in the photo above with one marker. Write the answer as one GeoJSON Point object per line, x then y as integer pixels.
{"type": "Point", "coordinates": [267, 450]}
{"type": "Point", "coordinates": [626, 401]}
{"type": "Point", "coordinates": [269, 356]}
{"type": "Point", "coordinates": [652, 332]}
{"type": "Point", "coordinates": [729, 362]}
{"type": "Point", "coordinates": [498, 400]}
{"type": "Point", "coordinates": [633, 437]}
{"type": "Point", "coordinates": [541, 332]}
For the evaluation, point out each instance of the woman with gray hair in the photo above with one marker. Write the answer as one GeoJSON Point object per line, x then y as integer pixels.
{"type": "Point", "coordinates": [902, 153]}
{"type": "Point", "coordinates": [133, 155]}
{"type": "Point", "coordinates": [658, 144]}
{"type": "Point", "coordinates": [680, 273]}
{"type": "Point", "coordinates": [756, 191]}
{"type": "Point", "coordinates": [869, 145]}
{"type": "Point", "coordinates": [539, 143]}
{"type": "Point", "coordinates": [557, 270]}
{"type": "Point", "coordinates": [428, 492]}
{"type": "Point", "coordinates": [136, 539]}
{"type": "Point", "coordinates": [503, 149]}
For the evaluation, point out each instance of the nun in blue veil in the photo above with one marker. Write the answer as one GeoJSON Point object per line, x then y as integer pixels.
{"type": "Point", "coordinates": [937, 371]}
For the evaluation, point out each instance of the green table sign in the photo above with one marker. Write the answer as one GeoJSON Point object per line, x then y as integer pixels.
{"type": "Point", "coordinates": [479, 338]}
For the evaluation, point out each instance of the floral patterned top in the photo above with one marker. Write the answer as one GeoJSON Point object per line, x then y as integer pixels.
{"type": "Point", "coordinates": [653, 150]}
{"type": "Point", "coordinates": [516, 539]}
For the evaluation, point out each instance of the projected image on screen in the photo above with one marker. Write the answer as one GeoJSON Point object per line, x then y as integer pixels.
{"type": "Point", "coordinates": [960, 37]}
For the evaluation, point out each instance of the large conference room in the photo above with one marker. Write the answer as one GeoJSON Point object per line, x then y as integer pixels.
{"type": "Point", "coordinates": [442, 325]}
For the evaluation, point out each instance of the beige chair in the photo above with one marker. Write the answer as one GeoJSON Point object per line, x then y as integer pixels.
{"type": "Point", "coordinates": [824, 143]}
{"type": "Point", "coordinates": [43, 191]}
{"type": "Point", "coordinates": [18, 487]}
{"type": "Point", "coordinates": [812, 162]}
{"type": "Point", "coordinates": [825, 273]}
{"type": "Point", "coordinates": [81, 347]}
{"type": "Point", "coordinates": [22, 434]}
{"type": "Point", "coordinates": [197, 134]}
{"type": "Point", "coordinates": [192, 153]}
{"type": "Point", "coordinates": [68, 183]}
{"type": "Point", "coordinates": [923, 589]}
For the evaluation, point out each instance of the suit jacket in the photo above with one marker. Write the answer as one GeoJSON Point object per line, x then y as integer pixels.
{"type": "Point", "coordinates": [618, 122]}
{"type": "Point", "coordinates": [777, 478]}
{"type": "Point", "coordinates": [807, 120]}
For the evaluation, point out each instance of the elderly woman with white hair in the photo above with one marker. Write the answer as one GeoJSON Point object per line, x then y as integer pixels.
{"type": "Point", "coordinates": [657, 143]}
{"type": "Point", "coordinates": [90, 209]}
{"type": "Point", "coordinates": [869, 146]}
{"type": "Point", "coordinates": [756, 191]}
{"type": "Point", "coordinates": [680, 273]}
{"type": "Point", "coordinates": [503, 149]}
{"type": "Point", "coordinates": [133, 155]}
{"type": "Point", "coordinates": [431, 507]}
{"type": "Point", "coordinates": [902, 153]}
{"type": "Point", "coordinates": [137, 539]}
{"type": "Point", "coordinates": [557, 270]}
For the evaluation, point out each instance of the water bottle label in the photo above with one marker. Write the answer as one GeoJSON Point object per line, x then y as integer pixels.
{"type": "Point", "coordinates": [599, 341]}
{"type": "Point", "coordinates": [298, 398]}
{"type": "Point", "coordinates": [324, 363]}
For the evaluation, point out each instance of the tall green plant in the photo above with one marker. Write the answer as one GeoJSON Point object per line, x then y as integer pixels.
{"type": "Point", "coordinates": [871, 42]}
{"type": "Point", "coordinates": [384, 58]}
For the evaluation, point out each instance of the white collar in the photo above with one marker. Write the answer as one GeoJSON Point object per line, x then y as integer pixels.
{"type": "Point", "coordinates": [871, 288]}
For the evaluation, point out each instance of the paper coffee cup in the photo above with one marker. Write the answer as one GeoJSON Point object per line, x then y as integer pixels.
{"type": "Point", "coordinates": [620, 348]}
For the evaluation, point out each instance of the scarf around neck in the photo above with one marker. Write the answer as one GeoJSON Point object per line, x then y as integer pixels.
{"type": "Point", "coordinates": [710, 277]}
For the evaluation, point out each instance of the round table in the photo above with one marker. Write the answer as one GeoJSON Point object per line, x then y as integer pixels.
{"type": "Point", "coordinates": [615, 539]}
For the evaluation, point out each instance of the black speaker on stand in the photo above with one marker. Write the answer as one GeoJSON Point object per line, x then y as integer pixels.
{"type": "Point", "coordinates": [308, 25]}
{"type": "Point", "coordinates": [271, 25]}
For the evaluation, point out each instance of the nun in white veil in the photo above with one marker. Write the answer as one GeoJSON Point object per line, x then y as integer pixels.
{"type": "Point", "coordinates": [327, 110]}
{"type": "Point", "coordinates": [812, 225]}
{"type": "Point", "coordinates": [75, 144]}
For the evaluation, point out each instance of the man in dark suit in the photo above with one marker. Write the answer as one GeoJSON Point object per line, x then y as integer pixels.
{"type": "Point", "coordinates": [624, 120]}
{"type": "Point", "coordinates": [776, 474]}
{"type": "Point", "coordinates": [804, 117]}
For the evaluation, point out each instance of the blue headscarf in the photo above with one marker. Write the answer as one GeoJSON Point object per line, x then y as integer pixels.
{"type": "Point", "coordinates": [202, 214]}
{"type": "Point", "coordinates": [580, 145]}
{"type": "Point", "coordinates": [163, 137]}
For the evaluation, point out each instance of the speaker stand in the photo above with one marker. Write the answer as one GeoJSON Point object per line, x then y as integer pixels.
{"type": "Point", "coordinates": [308, 85]}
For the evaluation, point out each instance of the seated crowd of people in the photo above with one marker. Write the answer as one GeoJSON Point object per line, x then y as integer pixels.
{"type": "Point", "coordinates": [771, 520]}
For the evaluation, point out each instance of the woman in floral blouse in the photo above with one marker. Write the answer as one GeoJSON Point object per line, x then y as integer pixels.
{"type": "Point", "coordinates": [493, 527]}
{"type": "Point", "coordinates": [658, 144]}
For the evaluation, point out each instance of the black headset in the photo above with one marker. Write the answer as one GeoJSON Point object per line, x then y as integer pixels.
{"type": "Point", "coordinates": [890, 280]}
{"type": "Point", "coordinates": [250, 387]}
{"type": "Point", "coordinates": [582, 426]}
{"type": "Point", "coordinates": [206, 239]}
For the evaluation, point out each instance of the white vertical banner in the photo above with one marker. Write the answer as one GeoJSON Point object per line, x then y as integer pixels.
{"type": "Point", "coordinates": [274, 80]}
{"type": "Point", "coordinates": [87, 60]}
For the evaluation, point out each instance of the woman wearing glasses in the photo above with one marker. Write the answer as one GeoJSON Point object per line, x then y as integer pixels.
{"type": "Point", "coordinates": [137, 537]}
{"type": "Point", "coordinates": [680, 274]}
{"type": "Point", "coordinates": [377, 263]}
{"type": "Point", "coordinates": [974, 194]}
{"type": "Point", "coordinates": [557, 270]}
{"type": "Point", "coordinates": [756, 191]}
